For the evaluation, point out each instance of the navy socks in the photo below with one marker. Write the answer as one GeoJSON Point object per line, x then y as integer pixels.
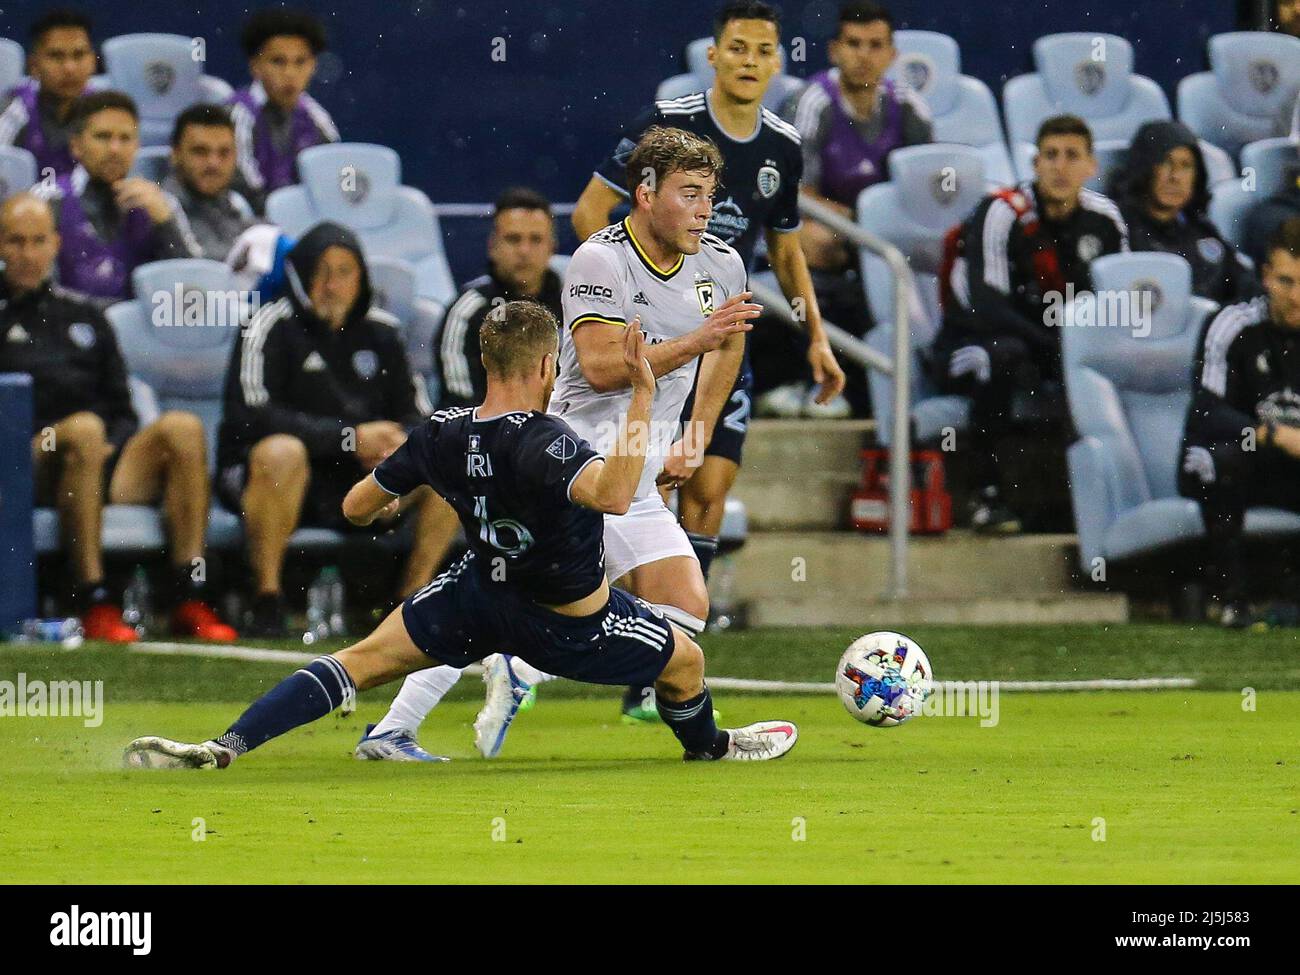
{"type": "Point", "coordinates": [300, 698]}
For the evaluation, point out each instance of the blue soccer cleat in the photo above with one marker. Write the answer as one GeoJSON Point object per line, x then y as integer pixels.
{"type": "Point", "coordinates": [393, 746]}
{"type": "Point", "coordinates": [505, 693]}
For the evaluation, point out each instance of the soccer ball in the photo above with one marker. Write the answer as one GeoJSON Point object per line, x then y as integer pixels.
{"type": "Point", "coordinates": [884, 679]}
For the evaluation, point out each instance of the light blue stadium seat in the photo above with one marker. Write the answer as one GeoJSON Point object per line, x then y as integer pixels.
{"type": "Point", "coordinates": [394, 283]}
{"type": "Point", "coordinates": [160, 72]}
{"type": "Point", "coordinates": [679, 85]}
{"type": "Point", "coordinates": [931, 189]}
{"type": "Point", "coordinates": [1128, 395]}
{"type": "Point", "coordinates": [1110, 156]}
{"type": "Point", "coordinates": [181, 350]}
{"type": "Point", "coordinates": [963, 108]}
{"type": "Point", "coordinates": [1085, 74]}
{"type": "Point", "coordinates": [17, 170]}
{"type": "Point", "coordinates": [1253, 75]}
{"type": "Point", "coordinates": [1266, 162]}
{"type": "Point", "coordinates": [13, 64]}
{"type": "Point", "coordinates": [359, 185]}
{"type": "Point", "coordinates": [152, 163]}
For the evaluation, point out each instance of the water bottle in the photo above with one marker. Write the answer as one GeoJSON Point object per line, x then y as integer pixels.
{"type": "Point", "coordinates": [65, 631]}
{"type": "Point", "coordinates": [317, 611]}
{"type": "Point", "coordinates": [336, 602]}
{"type": "Point", "coordinates": [135, 602]}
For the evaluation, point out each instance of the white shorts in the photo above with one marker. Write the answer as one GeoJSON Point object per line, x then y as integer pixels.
{"type": "Point", "coordinates": [647, 533]}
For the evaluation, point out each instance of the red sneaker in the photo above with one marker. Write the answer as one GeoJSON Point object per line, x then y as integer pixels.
{"type": "Point", "coordinates": [103, 621]}
{"type": "Point", "coordinates": [197, 619]}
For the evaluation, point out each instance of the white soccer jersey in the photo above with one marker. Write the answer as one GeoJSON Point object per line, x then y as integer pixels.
{"type": "Point", "coordinates": [610, 279]}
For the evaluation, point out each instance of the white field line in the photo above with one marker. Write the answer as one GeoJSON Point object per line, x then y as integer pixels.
{"type": "Point", "coordinates": [721, 683]}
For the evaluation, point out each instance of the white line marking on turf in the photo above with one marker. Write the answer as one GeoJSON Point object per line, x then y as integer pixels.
{"type": "Point", "coordinates": [267, 655]}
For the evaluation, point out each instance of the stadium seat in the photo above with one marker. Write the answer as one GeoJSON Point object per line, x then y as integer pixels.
{"type": "Point", "coordinates": [1253, 75]}
{"type": "Point", "coordinates": [180, 349]}
{"type": "Point", "coordinates": [1110, 156]}
{"type": "Point", "coordinates": [17, 170]}
{"type": "Point", "coordinates": [963, 108]}
{"type": "Point", "coordinates": [13, 64]}
{"type": "Point", "coordinates": [1071, 78]}
{"type": "Point", "coordinates": [394, 283]}
{"type": "Point", "coordinates": [1266, 162]}
{"type": "Point", "coordinates": [359, 185]}
{"type": "Point", "coordinates": [161, 73]}
{"type": "Point", "coordinates": [913, 211]}
{"type": "Point", "coordinates": [1128, 395]}
{"type": "Point", "coordinates": [152, 163]}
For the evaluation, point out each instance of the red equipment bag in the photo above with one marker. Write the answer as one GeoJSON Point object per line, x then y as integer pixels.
{"type": "Point", "coordinates": [931, 503]}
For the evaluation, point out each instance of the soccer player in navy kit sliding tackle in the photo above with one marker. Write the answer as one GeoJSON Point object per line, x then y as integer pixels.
{"type": "Point", "coordinates": [532, 495]}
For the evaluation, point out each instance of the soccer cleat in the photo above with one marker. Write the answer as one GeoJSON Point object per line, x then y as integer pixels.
{"type": "Point", "coordinates": [151, 752]}
{"type": "Point", "coordinates": [758, 742]}
{"type": "Point", "coordinates": [197, 619]}
{"type": "Point", "coordinates": [530, 700]}
{"type": "Point", "coordinates": [1236, 615]}
{"type": "Point", "coordinates": [785, 402]}
{"type": "Point", "coordinates": [989, 516]}
{"type": "Point", "coordinates": [103, 621]}
{"type": "Point", "coordinates": [505, 694]}
{"type": "Point", "coordinates": [393, 746]}
{"type": "Point", "coordinates": [837, 409]}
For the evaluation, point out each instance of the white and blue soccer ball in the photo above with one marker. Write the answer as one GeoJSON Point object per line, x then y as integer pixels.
{"type": "Point", "coordinates": [883, 679]}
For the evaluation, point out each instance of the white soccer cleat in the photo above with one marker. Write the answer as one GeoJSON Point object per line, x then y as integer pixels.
{"type": "Point", "coordinates": [505, 692]}
{"type": "Point", "coordinates": [151, 752]}
{"type": "Point", "coordinates": [761, 741]}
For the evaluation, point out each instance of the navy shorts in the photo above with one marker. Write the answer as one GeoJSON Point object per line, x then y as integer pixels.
{"type": "Point", "coordinates": [458, 619]}
{"type": "Point", "coordinates": [733, 422]}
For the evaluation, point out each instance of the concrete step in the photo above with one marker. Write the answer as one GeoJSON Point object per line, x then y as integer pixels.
{"type": "Point", "coordinates": [791, 578]}
{"type": "Point", "coordinates": [798, 474]}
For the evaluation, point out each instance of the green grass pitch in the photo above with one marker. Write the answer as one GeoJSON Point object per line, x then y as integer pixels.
{"type": "Point", "coordinates": [1145, 787]}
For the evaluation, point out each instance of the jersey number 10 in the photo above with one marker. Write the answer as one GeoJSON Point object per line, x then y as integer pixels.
{"type": "Point", "coordinates": [503, 534]}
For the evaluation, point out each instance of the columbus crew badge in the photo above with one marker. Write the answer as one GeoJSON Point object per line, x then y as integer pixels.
{"type": "Point", "coordinates": [704, 292]}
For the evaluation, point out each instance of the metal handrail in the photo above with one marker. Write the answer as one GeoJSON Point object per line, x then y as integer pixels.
{"type": "Point", "coordinates": [900, 471]}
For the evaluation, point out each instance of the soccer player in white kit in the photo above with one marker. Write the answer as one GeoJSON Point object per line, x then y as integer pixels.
{"type": "Point", "coordinates": [687, 288]}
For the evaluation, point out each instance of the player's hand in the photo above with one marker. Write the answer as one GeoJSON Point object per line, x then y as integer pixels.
{"type": "Point", "coordinates": [376, 440]}
{"type": "Point", "coordinates": [640, 376]}
{"type": "Point", "coordinates": [826, 372]}
{"type": "Point", "coordinates": [134, 193]}
{"type": "Point", "coordinates": [684, 459]}
{"type": "Point", "coordinates": [732, 316]}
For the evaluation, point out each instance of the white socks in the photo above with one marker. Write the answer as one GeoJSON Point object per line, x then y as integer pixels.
{"type": "Point", "coordinates": [420, 694]}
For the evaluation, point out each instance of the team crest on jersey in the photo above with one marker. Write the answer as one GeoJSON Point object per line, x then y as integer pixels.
{"type": "Point", "coordinates": [1089, 247]}
{"type": "Point", "coordinates": [1210, 249]}
{"type": "Point", "coordinates": [366, 363]}
{"type": "Point", "coordinates": [82, 335]}
{"type": "Point", "coordinates": [473, 442]}
{"type": "Point", "coordinates": [563, 448]}
{"type": "Point", "coordinates": [769, 181]}
{"type": "Point", "coordinates": [704, 292]}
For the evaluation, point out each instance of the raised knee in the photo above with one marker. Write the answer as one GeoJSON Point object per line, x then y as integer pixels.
{"type": "Point", "coordinates": [279, 457]}
{"type": "Point", "coordinates": [81, 433]}
{"type": "Point", "coordinates": [183, 433]}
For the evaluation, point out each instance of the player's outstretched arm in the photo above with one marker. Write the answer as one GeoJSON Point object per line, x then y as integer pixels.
{"type": "Point", "coordinates": [368, 501]}
{"type": "Point", "coordinates": [609, 486]}
{"type": "Point", "coordinates": [785, 253]}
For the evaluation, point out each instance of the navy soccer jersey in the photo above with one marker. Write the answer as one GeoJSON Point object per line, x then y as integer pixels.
{"type": "Point", "coordinates": [508, 477]}
{"type": "Point", "coordinates": [759, 188]}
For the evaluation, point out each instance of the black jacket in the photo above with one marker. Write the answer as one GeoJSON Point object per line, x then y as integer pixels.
{"type": "Point", "coordinates": [464, 381]}
{"type": "Point", "coordinates": [1247, 373]}
{"type": "Point", "coordinates": [1217, 271]}
{"type": "Point", "coordinates": [994, 284]}
{"type": "Point", "coordinates": [62, 340]}
{"type": "Point", "coordinates": [291, 373]}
